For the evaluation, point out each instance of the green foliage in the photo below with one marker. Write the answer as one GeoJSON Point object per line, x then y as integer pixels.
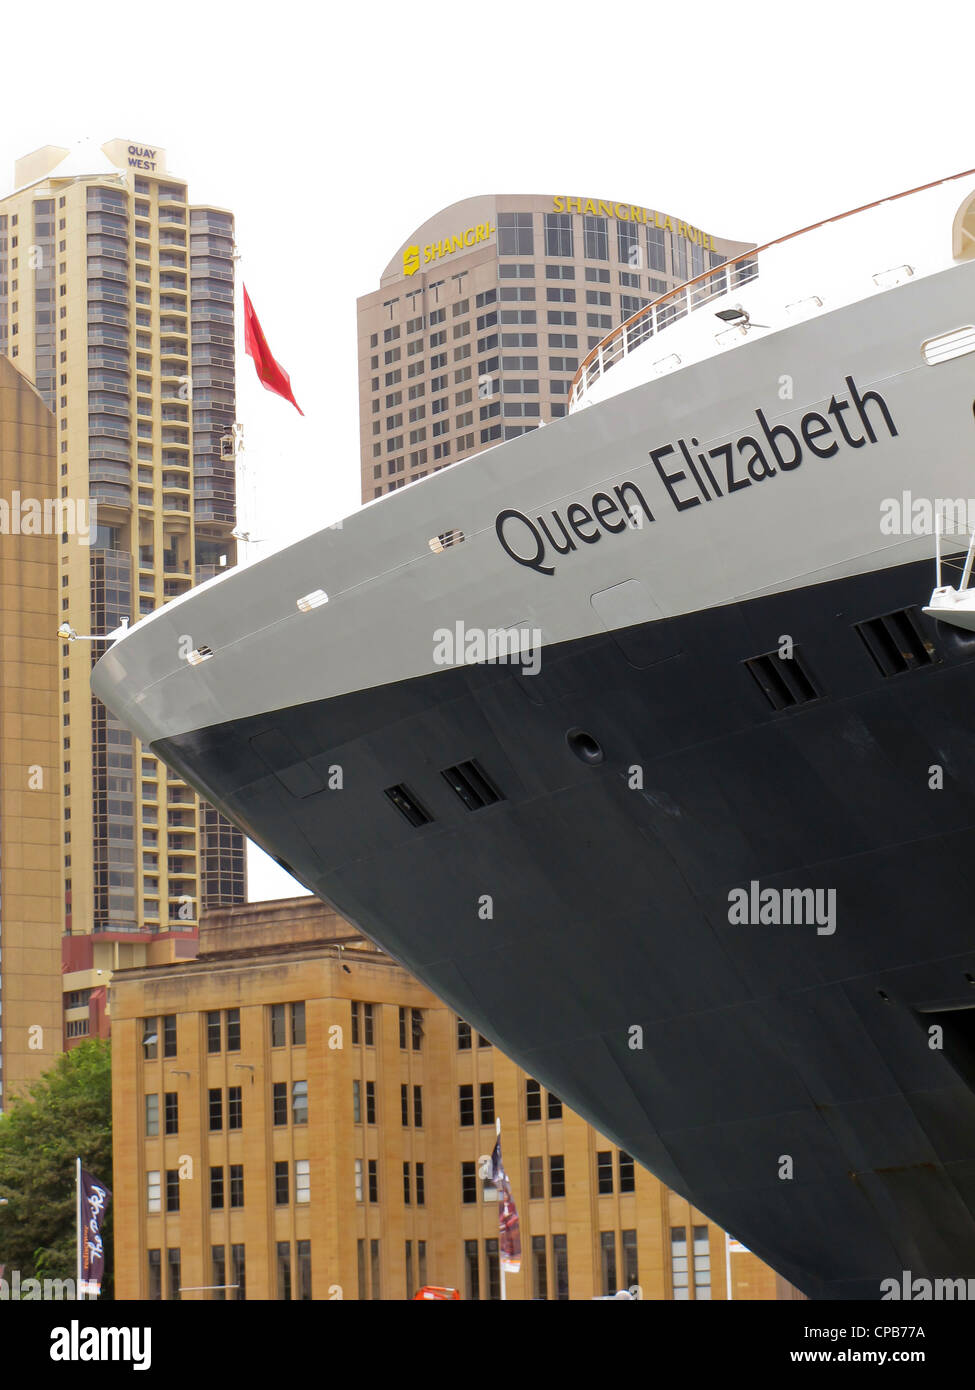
{"type": "Point", "coordinates": [67, 1115]}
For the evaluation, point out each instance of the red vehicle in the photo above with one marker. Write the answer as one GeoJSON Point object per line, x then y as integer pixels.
{"type": "Point", "coordinates": [436, 1291]}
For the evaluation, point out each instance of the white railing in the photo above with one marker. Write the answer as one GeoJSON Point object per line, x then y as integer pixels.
{"type": "Point", "coordinates": [695, 294]}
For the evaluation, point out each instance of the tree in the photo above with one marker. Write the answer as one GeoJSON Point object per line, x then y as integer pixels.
{"type": "Point", "coordinates": [68, 1114]}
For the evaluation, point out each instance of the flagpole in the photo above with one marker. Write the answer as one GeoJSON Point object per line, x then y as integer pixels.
{"type": "Point", "coordinates": [77, 1213]}
{"type": "Point", "coordinates": [500, 1257]}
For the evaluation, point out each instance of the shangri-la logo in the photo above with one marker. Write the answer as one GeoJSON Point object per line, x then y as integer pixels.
{"type": "Point", "coordinates": [411, 260]}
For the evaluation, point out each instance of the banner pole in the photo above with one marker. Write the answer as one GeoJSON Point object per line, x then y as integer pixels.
{"type": "Point", "coordinates": [500, 1257]}
{"type": "Point", "coordinates": [77, 1214]}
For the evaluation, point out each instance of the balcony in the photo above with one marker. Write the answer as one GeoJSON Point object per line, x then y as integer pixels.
{"type": "Point", "coordinates": [97, 338]}
{"type": "Point", "coordinates": [107, 314]}
{"type": "Point", "coordinates": [113, 494]}
{"type": "Point", "coordinates": [172, 216]}
{"type": "Point", "coordinates": [172, 503]}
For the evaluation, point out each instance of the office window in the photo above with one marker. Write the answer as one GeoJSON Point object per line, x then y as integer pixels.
{"type": "Point", "coordinates": [357, 1103]}
{"type": "Point", "coordinates": [410, 1286]}
{"type": "Point", "coordinates": [360, 1260]}
{"type": "Point", "coordinates": [374, 1266]}
{"type": "Point", "coordinates": [235, 1108]}
{"type": "Point", "coordinates": [215, 1098]}
{"type": "Point", "coordinates": [418, 1107]}
{"type": "Point", "coordinates": [213, 1031]}
{"type": "Point", "coordinates": [533, 1100]}
{"type": "Point", "coordinates": [487, 1102]}
{"type": "Point", "coordinates": [404, 1102]}
{"type": "Point", "coordinates": [468, 1182]}
{"type": "Point", "coordinates": [298, 1025]}
{"type": "Point", "coordinates": [281, 1184]}
{"type": "Point", "coordinates": [299, 1102]}
{"type": "Point", "coordinates": [466, 1094]}
{"type": "Point", "coordinates": [556, 1175]}
{"type": "Point", "coordinates": [367, 1020]}
{"type": "Point", "coordinates": [218, 1273]}
{"type": "Point", "coordinates": [702, 1263]}
{"type": "Point", "coordinates": [172, 1189]}
{"type": "Point", "coordinates": [607, 1252]}
{"type": "Point", "coordinates": [153, 1199]}
{"type": "Point", "coordinates": [302, 1180]}
{"type": "Point", "coordinates": [678, 1261]}
{"type": "Point", "coordinates": [173, 1266]}
{"type": "Point", "coordinates": [402, 1012]}
{"type": "Point", "coordinates": [631, 1272]}
{"type": "Point", "coordinates": [233, 1030]}
{"type": "Point", "coordinates": [358, 1179]}
{"type": "Point", "coordinates": [471, 1271]}
{"type": "Point", "coordinates": [627, 1175]}
{"type": "Point", "coordinates": [407, 1184]}
{"type": "Point", "coordinates": [150, 1037]}
{"type": "Point", "coordinates": [155, 1274]}
{"type": "Point", "coordinates": [169, 1035]}
{"type": "Point", "coordinates": [416, 1029]}
{"type": "Point", "coordinates": [370, 1102]}
{"type": "Point", "coordinates": [595, 237]}
{"type": "Point", "coordinates": [284, 1269]}
{"type": "Point", "coordinates": [604, 1172]}
{"type": "Point", "coordinates": [216, 1189]}
{"type": "Point", "coordinates": [536, 1179]}
{"type": "Point", "coordinates": [560, 1258]}
{"type": "Point", "coordinates": [628, 244]}
{"type": "Point", "coordinates": [152, 1115]}
{"type": "Point", "coordinates": [558, 234]}
{"type": "Point", "coordinates": [515, 236]}
{"type": "Point", "coordinates": [421, 1250]}
{"type": "Point", "coordinates": [238, 1273]}
{"type": "Point", "coordinates": [236, 1184]}
{"type": "Point", "coordinates": [279, 1097]}
{"type": "Point", "coordinates": [655, 248]}
{"type": "Point", "coordinates": [554, 1107]}
{"type": "Point", "coordinates": [420, 1187]}
{"type": "Point", "coordinates": [356, 1007]}
{"type": "Point", "coordinates": [373, 1181]}
{"type": "Point", "coordinates": [303, 1252]}
{"type": "Point", "coordinates": [539, 1268]}
{"type": "Point", "coordinates": [482, 1041]}
{"type": "Point", "coordinates": [493, 1263]}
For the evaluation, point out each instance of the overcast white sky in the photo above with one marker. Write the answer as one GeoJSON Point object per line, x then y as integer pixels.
{"type": "Point", "coordinates": [333, 131]}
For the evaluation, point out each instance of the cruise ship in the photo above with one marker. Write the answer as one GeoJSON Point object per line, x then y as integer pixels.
{"type": "Point", "coordinates": [647, 739]}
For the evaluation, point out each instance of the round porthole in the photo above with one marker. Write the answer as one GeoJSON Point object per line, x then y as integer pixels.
{"type": "Point", "coordinates": [586, 748]}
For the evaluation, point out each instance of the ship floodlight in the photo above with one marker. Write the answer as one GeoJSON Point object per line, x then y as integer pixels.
{"type": "Point", "coordinates": [734, 315]}
{"type": "Point", "coordinates": [198, 655]}
{"type": "Point", "coordinates": [313, 600]}
{"type": "Point", "coordinates": [66, 630]}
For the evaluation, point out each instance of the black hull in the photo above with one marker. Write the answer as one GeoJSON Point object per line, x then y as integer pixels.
{"type": "Point", "coordinates": [610, 904]}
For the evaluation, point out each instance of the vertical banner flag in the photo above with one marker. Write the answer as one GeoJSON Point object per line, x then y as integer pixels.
{"type": "Point", "coordinates": [509, 1244]}
{"type": "Point", "coordinates": [94, 1200]}
{"type": "Point", "coordinates": [270, 371]}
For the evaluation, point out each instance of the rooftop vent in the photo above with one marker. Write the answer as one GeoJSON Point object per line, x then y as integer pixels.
{"type": "Point", "coordinates": [896, 643]}
{"type": "Point", "coordinates": [784, 681]}
{"type": "Point", "coordinates": [472, 784]}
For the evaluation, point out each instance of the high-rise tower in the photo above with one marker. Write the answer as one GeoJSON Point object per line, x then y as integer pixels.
{"type": "Point", "coordinates": [116, 301]}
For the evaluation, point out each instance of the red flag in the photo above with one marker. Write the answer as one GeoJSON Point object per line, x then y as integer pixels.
{"type": "Point", "coordinates": [271, 373]}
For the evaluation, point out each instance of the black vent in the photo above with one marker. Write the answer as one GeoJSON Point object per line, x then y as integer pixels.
{"type": "Point", "coordinates": [784, 681]}
{"type": "Point", "coordinates": [896, 643]}
{"type": "Point", "coordinates": [472, 785]}
{"type": "Point", "coordinates": [407, 805]}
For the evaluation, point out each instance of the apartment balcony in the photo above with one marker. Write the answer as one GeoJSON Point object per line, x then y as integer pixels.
{"type": "Point", "coordinates": [104, 470]}
{"type": "Point", "coordinates": [113, 494]}
{"type": "Point", "coordinates": [99, 453]}
{"type": "Point", "coordinates": [104, 202]}
{"type": "Point", "coordinates": [109, 339]}
{"type": "Point", "coordinates": [101, 314]}
{"type": "Point", "coordinates": [172, 216]}
{"type": "Point", "coordinates": [117, 249]}
{"type": "Point", "coordinates": [172, 503]}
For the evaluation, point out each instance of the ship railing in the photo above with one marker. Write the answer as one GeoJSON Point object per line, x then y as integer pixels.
{"type": "Point", "coordinates": [697, 293]}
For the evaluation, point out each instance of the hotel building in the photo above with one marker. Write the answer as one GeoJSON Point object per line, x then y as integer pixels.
{"type": "Point", "coordinates": [296, 1117]}
{"type": "Point", "coordinates": [116, 302]}
{"type": "Point", "coordinates": [30, 810]}
{"type": "Point", "coordinates": [485, 312]}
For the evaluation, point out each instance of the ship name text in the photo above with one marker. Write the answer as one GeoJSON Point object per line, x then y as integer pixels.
{"type": "Point", "coordinates": [692, 475]}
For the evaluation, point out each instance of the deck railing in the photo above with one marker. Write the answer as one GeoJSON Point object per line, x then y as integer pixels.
{"type": "Point", "coordinates": [702, 290]}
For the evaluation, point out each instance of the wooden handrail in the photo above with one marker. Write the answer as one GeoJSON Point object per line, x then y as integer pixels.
{"type": "Point", "coordinates": [603, 343]}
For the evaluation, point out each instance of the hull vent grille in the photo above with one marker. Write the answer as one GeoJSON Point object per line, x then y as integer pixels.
{"type": "Point", "coordinates": [407, 805]}
{"type": "Point", "coordinates": [896, 643]}
{"type": "Point", "coordinates": [784, 681]}
{"type": "Point", "coordinates": [472, 784]}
